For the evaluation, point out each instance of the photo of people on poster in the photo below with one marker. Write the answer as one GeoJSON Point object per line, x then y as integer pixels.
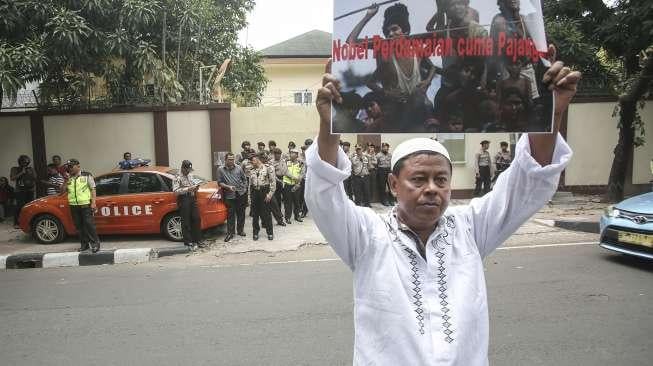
{"type": "Point", "coordinates": [443, 66]}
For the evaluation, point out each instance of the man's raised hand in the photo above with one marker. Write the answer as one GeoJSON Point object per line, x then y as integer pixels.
{"type": "Point", "coordinates": [329, 92]}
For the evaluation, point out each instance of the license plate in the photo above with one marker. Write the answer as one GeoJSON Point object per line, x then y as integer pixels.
{"type": "Point", "coordinates": [637, 239]}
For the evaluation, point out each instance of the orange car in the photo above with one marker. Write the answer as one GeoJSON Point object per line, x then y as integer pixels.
{"type": "Point", "coordinates": [136, 201]}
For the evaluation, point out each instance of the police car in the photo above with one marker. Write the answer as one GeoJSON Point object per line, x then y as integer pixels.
{"type": "Point", "coordinates": [135, 201]}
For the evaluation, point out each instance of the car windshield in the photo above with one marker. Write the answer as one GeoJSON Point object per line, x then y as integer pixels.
{"type": "Point", "coordinates": [196, 178]}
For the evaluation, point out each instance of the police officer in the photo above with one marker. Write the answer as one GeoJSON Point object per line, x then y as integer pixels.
{"type": "Point", "coordinates": [371, 168]}
{"type": "Point", "coordinates": [304, 209]}
{"type": "Point", "coordinates": [502, 160]}
{"type": "Point", "coordinates": [81, 200]}
{"type": "Point", "coordinates": [279, 166]}
{"type": "Point", "coordinates": [186, 190]}
{"type": "Point", "coordinates": [483, 169]}
{"type": "Point", "coordinates": [291, 186]}
{"type": "Point", "coordinates": [262, 186]}
{"type": "Point", "coordinates": [360, 177]}
{"type": "Point", "coordinates": [347, 183]}
{"type": "Point", "coordinates": [383, 160]}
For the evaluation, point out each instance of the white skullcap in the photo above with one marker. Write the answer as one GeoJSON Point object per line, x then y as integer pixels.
{"type": "Point", "coordinates": [418, 144]}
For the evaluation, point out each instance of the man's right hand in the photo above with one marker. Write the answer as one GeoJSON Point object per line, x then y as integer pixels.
{"type": "Point", "coordinates": [329, 92]}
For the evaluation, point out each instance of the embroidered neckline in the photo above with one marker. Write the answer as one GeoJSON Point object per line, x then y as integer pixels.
{"type": "Point", "coordinates": [445, 225]}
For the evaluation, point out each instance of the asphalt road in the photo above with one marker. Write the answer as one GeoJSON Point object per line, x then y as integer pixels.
{"type": "Point", "coordinates": [568, 305]}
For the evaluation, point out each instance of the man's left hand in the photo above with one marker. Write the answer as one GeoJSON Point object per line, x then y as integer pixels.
{"type": "Point", "coordinates": [268, 197]}
{"type": "Point", "coordinates": [94, 206]}
{"type": "Point", "coordinates": [562, 81]}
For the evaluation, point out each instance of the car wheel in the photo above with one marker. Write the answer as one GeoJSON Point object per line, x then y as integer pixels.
{"type": "Point", "coordinates": [48, 229]}
{"type": "Point", "coordinates": [171, 227]}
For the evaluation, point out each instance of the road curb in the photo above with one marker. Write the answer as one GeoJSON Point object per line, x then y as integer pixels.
{"type": "Point", "coordinates": [582, 226]}
{"type": "Point", "coordinates": [167, 252]}
{"type": "Point", "coordinates": [76, 259]}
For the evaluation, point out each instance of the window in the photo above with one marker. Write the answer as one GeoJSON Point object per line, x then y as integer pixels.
{"type": "Point", "coordinates": [303, 97]}
{"type": "Point", "coordinates": [108, 185]}
{"type": "Point", "coordinates": [143, 183]}
{"type": "Point", "coordinates": [455, 144]}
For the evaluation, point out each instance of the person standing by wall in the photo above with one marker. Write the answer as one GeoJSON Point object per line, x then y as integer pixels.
{"type": "Point", "coordinates": [54, 182]}
{"type": "Point", "coordinates": [247, 149]}
{"type": "Point", "coordinates": [291, 187]}
{"type": "Point", "coordinates": [279, 166]}
{"type": "Point", "coordinates": [61, 168]}
{"type": "Point", "coordinates": [371, 169]}
{"type": "Point", "coordinates": [81, 199]}
{"type": "Point", "coordinates": [185, 190]}
{"type": "Point", "coordinates": [262, 186]}
{"type": "Point", "coordinates": [359, 177]}
{"type": "Point", "coordinates": [233, 181]}
{"type": "Point", "coordinates": [483, 167]}
{"type": "Point", "coordinates": [502, 160]}
{"type": "Point", "coordinates": [383, 159]}
{"type": "Point", "coordinates": [349, 190]}
{"type": "Point", "coordinates": [6, 197]}
{"type": "Point", "coordinates": [304, 208]}
{"type": "Point", "coordinates": [24, 178]}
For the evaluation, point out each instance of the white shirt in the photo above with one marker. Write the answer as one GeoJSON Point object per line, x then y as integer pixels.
{"type": "Point", "coordinates": [408, 311]}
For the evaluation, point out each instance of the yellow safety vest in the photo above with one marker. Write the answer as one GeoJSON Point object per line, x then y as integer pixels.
{"type": "Point", "coordinates": [79, 193]}
{"type": "Point", "coordinates": [294, 169]}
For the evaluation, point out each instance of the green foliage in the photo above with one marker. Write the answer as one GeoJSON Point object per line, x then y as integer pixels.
{"type": "Point", "coordinates": [86, 51]}
{"type": "Point", "coordinates": [604, 42]}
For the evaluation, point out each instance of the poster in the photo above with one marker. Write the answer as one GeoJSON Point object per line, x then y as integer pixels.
{"type": "Point", "coordinates": [449, 66]}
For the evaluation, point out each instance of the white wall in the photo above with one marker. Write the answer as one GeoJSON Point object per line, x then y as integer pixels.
{"type": "Point", "coordinates": [281, 124]}
{"type": "Point", "coordinates": [592, 134]}
{"type": "Point", "coordinates": [15, 140]}
{"type": "Point", "coordinates": [644, 154]}
{"type": "Point", "coordinates": [98, 141]}
{"type": "Point", "coordinates": [189, 138]}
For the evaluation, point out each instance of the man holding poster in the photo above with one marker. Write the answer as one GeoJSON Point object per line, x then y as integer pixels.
{"type": "Point", "coordinates": [424, 82]}
{"type": "Point", "coordinates": [419, 284]}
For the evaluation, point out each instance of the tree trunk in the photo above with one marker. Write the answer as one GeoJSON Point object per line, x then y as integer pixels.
{"type": "Point", "coordinates": [181, 26]}
{"type": "Point", "coordinates": [623, 152]}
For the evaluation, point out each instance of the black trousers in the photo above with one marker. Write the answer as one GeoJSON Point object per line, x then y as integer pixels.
{"type": "Point", "coordinates": [4, 210]}
{"type": "Point", "coordinates": [483, 181]}
{"type": "Point", "coordinates": [190, 219]}
{"type": "Point", "coordinates": [303, 208]}
{"type": "Point", "coordinates": [22, 198]}
{"type": "Point", "coordinates": [371, 180]}
{"type": "Point", "coordinates": [292, 201]}
{"type": "Point", "coordinates": [349, 190]}
{"type": "Point", "coordinates": [85, 225]}
{"type": "Point", "coordinates": [261, 210]}
{"type": "Point", "coordinates": [382, 184]}
{"type": "Point", "coordinates": [275, 204]}
{"type": "Point", "coordinates": [236, 213]}
{"type": "Point", "coordinates": [361, 188]}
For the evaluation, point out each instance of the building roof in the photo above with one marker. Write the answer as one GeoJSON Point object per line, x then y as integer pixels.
{"type": "Point", "coordinates": [313, 44]}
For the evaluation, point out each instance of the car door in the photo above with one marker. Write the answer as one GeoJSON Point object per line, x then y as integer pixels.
{"type": "Point", "coordinates": [147, 199]}
{"type": "Point", "coordinates": [107, 189]}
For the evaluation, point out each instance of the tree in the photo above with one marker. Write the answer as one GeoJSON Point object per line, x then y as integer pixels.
{"type": "Point", "coordinates": [123, 51]}
{"type": "Point", "coordinates": [609, 42]}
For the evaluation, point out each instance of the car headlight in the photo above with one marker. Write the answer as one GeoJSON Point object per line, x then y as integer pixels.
{"type": "Point", "coordinates": [610, 211]}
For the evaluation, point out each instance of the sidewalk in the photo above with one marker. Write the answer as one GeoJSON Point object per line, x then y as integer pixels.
{"type": "Point", "coordinates": [18, 250]}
